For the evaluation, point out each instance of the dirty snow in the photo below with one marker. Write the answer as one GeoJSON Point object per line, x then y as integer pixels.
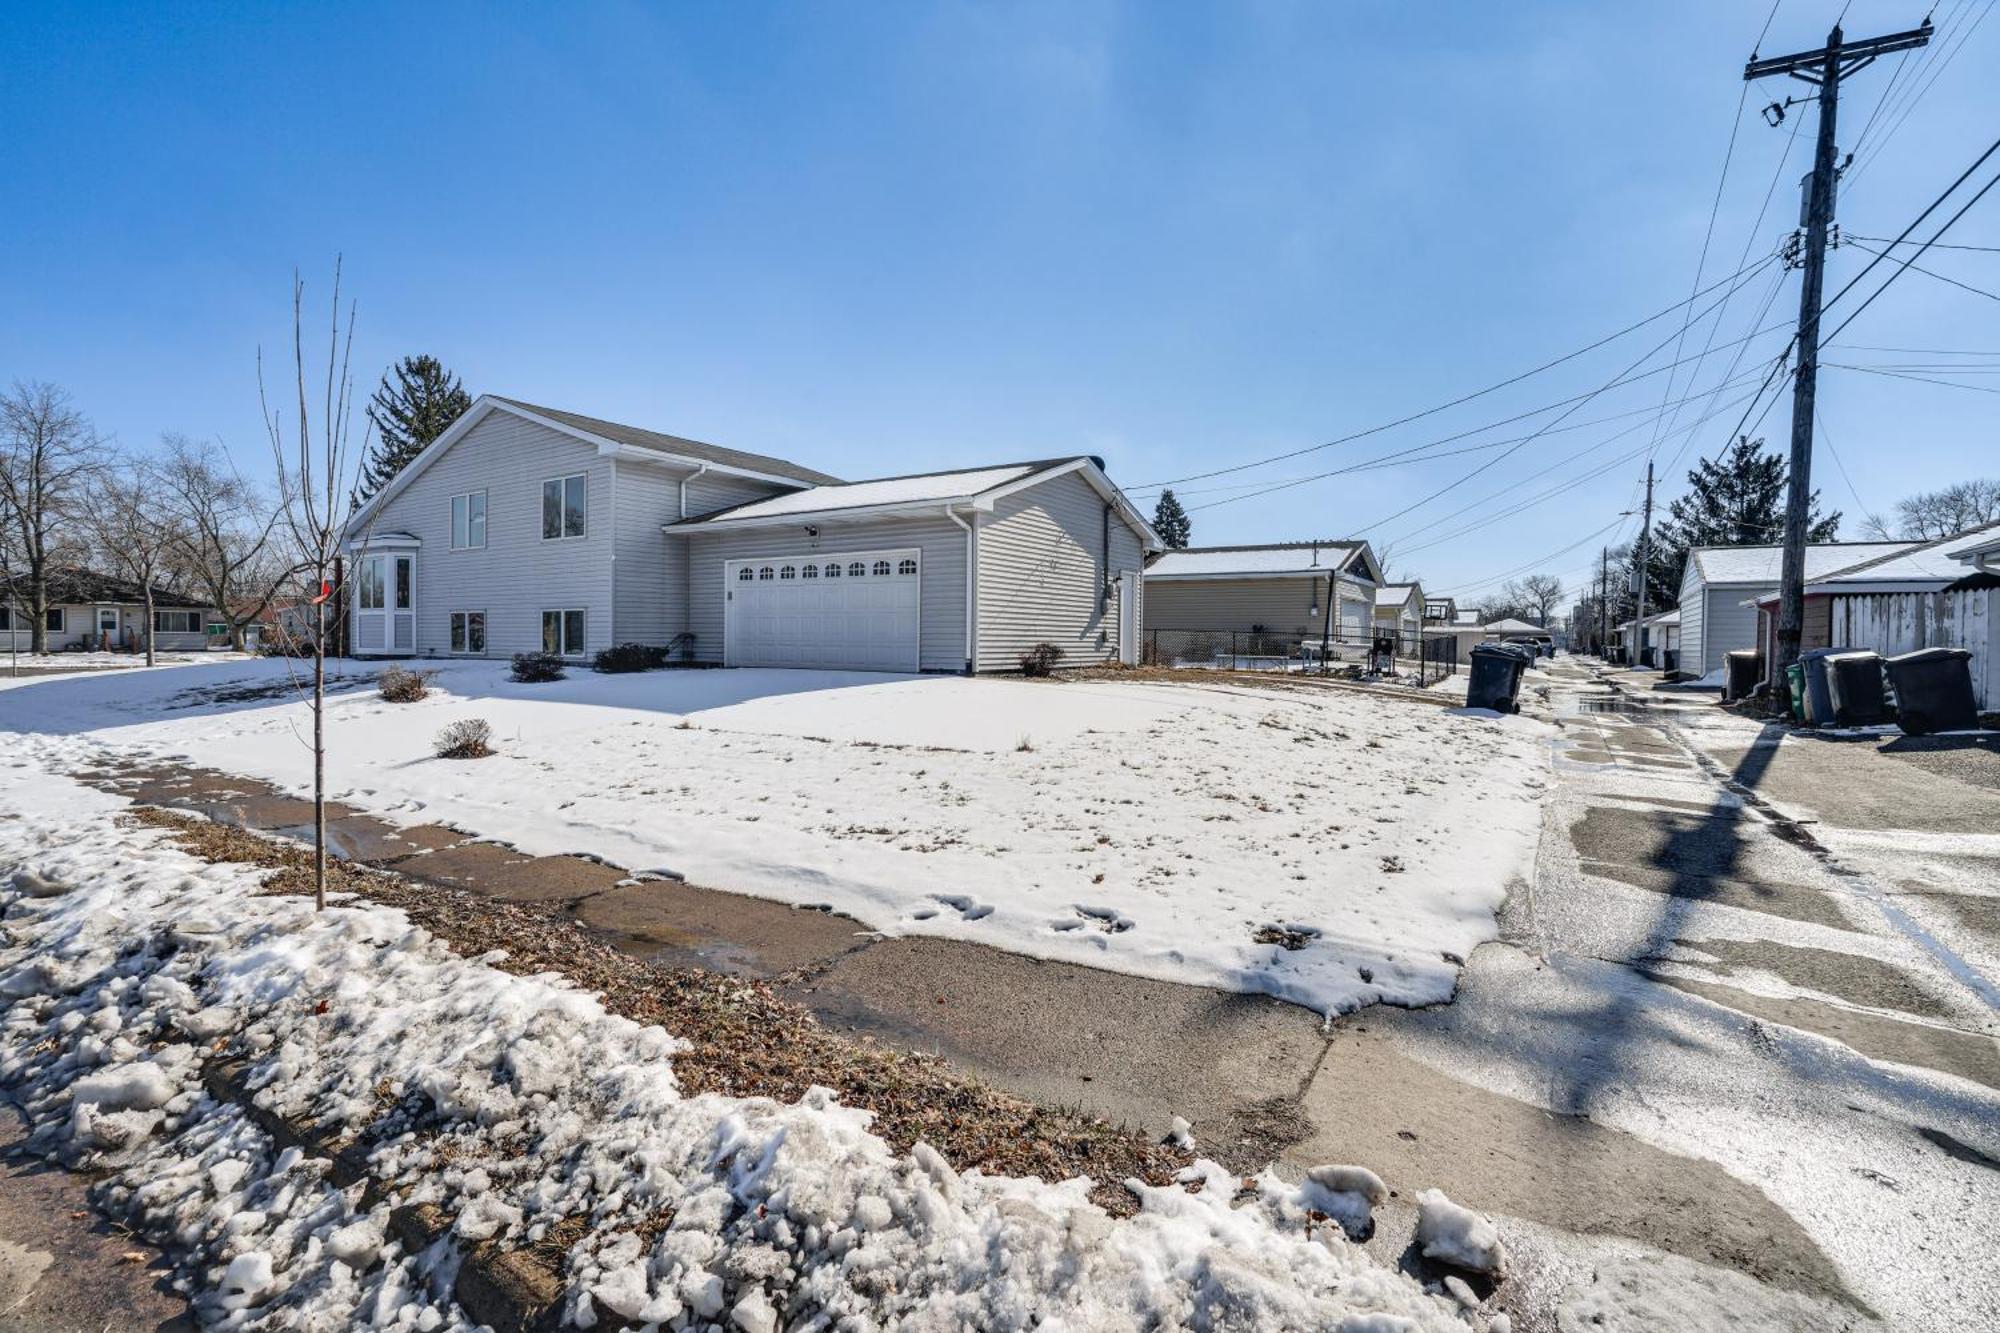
{"type": "Point", "coordinates": [1325, 846]}
{"type": "Point", "coordinates": [511, 1103]}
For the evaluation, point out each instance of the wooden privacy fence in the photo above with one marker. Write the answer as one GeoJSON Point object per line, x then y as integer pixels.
{"type": "Point", "coordinates": [1902, 622]}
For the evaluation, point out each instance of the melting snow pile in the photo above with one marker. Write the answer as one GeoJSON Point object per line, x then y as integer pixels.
{"type": "Point", "coordinates": [513, 1103]}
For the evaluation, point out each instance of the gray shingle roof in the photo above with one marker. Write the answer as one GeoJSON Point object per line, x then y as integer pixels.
{"type": "Point", "coordinates": [72, 587]}
{"type": "Point", "coordinates": [675, 444]}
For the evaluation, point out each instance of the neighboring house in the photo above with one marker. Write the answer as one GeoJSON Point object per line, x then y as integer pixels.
{"type": "Point", "coordinates": [1451, 623]}
{"type": "Point", "coordinates": [97, 611]}
{"type": "Point", "coordinates": [526, 528]}
{"type": "Point", "coordinates": [1722, 582]}
{"type": "Point", "coordinates": [1935, 594]}
{"type": "Point", "coordinates": [1663, 635]}
{"type": "Point", "coordinates": [1511, 630]}
{"type": "Point", "coordinates": [1285, 589]}
{"type": "Point", "coordinates": [1399, 608]}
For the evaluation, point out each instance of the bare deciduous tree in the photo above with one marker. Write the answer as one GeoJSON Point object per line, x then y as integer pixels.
{"type": "Point", "coordinates": [315, 485]}
{"type": "Point", "coordinates": [225, 532]}
{"type": "Point", "coordinates": [134, 530]}
{"type": "Point", "coordinates": [49, 453]}
{"type": "Point", "coordinates": [1942, 513]}
{"type": "Point", "coordinates": [1543, 592]}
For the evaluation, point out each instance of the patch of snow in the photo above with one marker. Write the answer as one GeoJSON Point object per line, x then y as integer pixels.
{"type": "Point", "coordinates": [1154, 829]}
{"type": "Point", "coordinates": [938, 486]}
{"type": "Point", "coordinates": [1458, 1236]}
{"type": "Point", "coordinates": [363, 1023]}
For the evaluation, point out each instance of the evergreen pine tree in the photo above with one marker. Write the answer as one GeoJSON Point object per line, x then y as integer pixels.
{"type": "Point", "coordinates": [1735, 500]}
{"type": "Point", "coordinates": [408, 414]}
{"type": "Point", "coordinates": [1171, 522]}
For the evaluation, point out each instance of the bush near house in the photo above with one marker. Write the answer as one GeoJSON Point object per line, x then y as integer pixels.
{"type": "Point", "coordinates": [469, 739]}
{"type": "Point", "coordinates": [537, 668]}
{"type": "Point", "coordinates": [630, 657]}
{"type": "Point", "coordinates": [1040, 660]}
{"type": "Point", "coordinates": [399, 685]}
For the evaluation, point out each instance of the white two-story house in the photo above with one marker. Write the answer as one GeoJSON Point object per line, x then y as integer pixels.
{"type": "Point", "coordinates": [525, 528]}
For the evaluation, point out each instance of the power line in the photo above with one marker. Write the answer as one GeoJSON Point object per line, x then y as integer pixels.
{"type": "Point", "coordinates": [1920, 379]}
{"type": "Point", "coordinates": [1976, 291]}
{"type": "Point", "coordinates": [1948, 224]}
{"type": "Point", "coordinates": [1834, 454]}
{"type": "Point", "coordinates": [1469, 397]}
{"type": "Point", "coordinates": [1882, 240]}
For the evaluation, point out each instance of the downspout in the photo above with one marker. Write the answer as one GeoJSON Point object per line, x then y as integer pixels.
{"type": "Point", "coordinates": [695, 475]}
{"type": "Point", "coordinates": [687, 563]}
{"type": "Point", "coordinates": [1104, 563]}
{"type": "Point", "coordinates": [971, 556]}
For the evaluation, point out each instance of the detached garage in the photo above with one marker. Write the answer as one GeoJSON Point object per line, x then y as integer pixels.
{"type": "Point", "coordinates": [943, 571]}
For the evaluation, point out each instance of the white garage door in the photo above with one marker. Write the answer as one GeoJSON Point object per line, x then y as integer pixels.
{"type": "Point", "coordinates": [855, 610]}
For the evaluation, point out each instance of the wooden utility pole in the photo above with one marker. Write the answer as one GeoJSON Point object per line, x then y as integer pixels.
{"type": "Point", "coordinates": [1824, 69]}
{"type": "Point", "coordinates": [1604, 601]}
{"type": "Point", "coordinates": [1639, 572]}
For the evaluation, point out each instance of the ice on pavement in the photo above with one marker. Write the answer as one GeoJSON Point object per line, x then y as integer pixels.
{"type": "Point", "coordinates": [512, 1103]}
{"type": "Point", "coordinates": [1157, 830]}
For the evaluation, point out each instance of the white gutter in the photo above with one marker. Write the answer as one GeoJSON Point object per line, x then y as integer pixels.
{"type": "Point", "coordinates": [696, 475]}
{"type": "Point", "coordinates": [971, 556]}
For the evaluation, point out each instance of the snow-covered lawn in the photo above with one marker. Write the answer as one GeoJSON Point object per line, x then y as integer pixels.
{"type": "Point", "coordinates": [1327, 846]}
{"type": "Point", "coordinates": [516, 1103]}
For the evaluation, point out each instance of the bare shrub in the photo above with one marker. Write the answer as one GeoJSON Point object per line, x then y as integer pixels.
{"type": "Point", "coordinates": [1040, 660]}
{"type": "Point", "coordinates": [537, 668]}
{"type": "Point", "coordinates": [467, 739]}
{"type": "Point", "coordinates": [400, 685]}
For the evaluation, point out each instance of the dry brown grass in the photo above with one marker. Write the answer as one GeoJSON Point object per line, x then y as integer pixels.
{"type": "Point", "coordinates": [746, 1040]}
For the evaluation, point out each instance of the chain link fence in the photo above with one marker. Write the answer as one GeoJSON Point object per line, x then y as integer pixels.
{"type": "Point", "coordinates": [1412, 658]}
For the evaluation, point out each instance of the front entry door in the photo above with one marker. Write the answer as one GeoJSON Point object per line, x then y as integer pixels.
{"type": "Point", "coordinates": [385, 603]}
{"type": "Point", "coordinates": [107, 626]}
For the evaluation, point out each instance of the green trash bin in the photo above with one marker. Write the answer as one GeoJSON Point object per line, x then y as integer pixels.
{"type": "Point", "coordinates": [1795, 678]}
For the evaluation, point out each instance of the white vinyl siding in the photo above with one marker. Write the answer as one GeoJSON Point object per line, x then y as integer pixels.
{"type": "Point", "coordinates": [468, 521]}
{"type": "Point", "coordinates": [1693, 604]}
{"type": "Point", "coordinates": [1726, 624]}
{"type": "Point", "coordinates": [518, 573]}
{"type": "Point", "coordinates": [1042, 575]}
{"type": "Point", "coordinates": [941, 592]}
{"type": "Point", "coordinates": [651, 591]}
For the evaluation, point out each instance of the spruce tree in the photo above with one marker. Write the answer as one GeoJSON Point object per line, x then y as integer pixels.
{"type": "Point", "coordinates": [423, 399]}
{"type": "Point", "coordinates": [1735, 500]}
{"type": "Point", "coordinates": [1171, 522]}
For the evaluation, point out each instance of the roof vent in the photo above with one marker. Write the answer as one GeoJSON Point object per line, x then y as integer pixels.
{"type": "Point", "coordinates": [1097, 459]}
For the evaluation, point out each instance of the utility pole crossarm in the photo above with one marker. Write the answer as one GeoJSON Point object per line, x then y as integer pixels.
{"type": "Point", "coordinates": [1810, 64]}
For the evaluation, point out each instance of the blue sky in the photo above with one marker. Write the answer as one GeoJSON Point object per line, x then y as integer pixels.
{"type": "Point", "coordinates": [890, 237]}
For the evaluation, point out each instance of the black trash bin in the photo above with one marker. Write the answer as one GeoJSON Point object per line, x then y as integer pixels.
{"type": "Point", "coordinates": [1670, 661]}
{"type": "Point", "coordinates": [1933, 690]}
{"type": "Point", "coordinates": [1744, 668]}
{"type": "Point", "coordinates": [1495, 677]}
{"type": "Point", "coordinates": [1854, 682]}
{"type": "Point", "coordinates": [1819, 696]}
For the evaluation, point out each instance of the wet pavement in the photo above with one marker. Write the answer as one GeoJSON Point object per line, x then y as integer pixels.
{"type": "Point", "coordinates": [1705, 1048]}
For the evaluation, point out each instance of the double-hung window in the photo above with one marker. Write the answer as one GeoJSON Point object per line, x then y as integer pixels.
{"type": "Point", "coordinates": [564, 500]}
{"type": "Point", "coordinates": [369, 594]}
{"type": "Point", "coordinates": [562, 633]}
{"type": "Point", "coordinates": [468, 631]}
{"type": "Point", "coordinates": [468, 521]}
